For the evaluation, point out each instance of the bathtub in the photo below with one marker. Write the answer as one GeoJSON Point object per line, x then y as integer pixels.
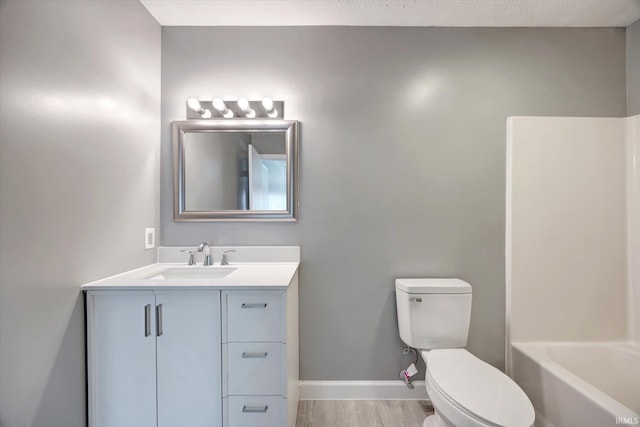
{"type": "Point", "coordinates": [579, 384]}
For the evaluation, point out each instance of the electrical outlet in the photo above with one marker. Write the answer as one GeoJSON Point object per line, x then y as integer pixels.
{"type": "Point", "coordinates": [149, 238]}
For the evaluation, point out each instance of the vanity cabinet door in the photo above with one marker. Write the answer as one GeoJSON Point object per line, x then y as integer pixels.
{"type": "Point", "coordinates": [121, 366]}
{"type": "Point", "coordinates": [189, 358]}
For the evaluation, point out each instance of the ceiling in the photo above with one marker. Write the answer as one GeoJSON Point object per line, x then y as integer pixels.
{"type": "Point", "coordinates": [420, 13]}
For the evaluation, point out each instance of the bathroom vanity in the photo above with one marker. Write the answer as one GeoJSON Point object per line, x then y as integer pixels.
{"type": "Point", "coordinates": [171, 344]}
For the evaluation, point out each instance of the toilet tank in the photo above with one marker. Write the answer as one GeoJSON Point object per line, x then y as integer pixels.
{"type": "Point", "coordinates": [433, 313]}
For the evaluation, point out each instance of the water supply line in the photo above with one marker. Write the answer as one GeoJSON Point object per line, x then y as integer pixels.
{"type": "Point", "coordinates": [407, 374]}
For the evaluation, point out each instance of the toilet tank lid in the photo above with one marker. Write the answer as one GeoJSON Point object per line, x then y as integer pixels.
{"type": "Point", "coordinates": [433, 286]}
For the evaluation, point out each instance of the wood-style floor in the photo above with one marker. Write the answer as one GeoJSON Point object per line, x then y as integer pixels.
{"type": "Point", "coordinates": [362, 413]}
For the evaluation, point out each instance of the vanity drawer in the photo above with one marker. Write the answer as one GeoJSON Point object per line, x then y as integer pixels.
{"type": "Point", "coordinates": [255, 369]}
{"type": "Point", "coordinates": [253, 411]}
{"type": "Point", "coordinates": [254, 316]}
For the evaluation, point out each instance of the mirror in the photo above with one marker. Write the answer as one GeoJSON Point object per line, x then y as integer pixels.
{"type": "Point", "coordinates": [235, 170]}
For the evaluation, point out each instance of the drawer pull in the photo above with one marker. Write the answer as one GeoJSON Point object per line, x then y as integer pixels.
{"type": "Point", "coordinates": [246, 355]}
{"type": "Point", "coordinates": [255, 409]}
{"type": "Point", "coordinates": [261, 305]}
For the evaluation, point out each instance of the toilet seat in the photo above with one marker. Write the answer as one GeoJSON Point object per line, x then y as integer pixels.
{"type": "Point", "coordinates": [477, 389]}
{"type": "Point", "coordinates": [451, 413]}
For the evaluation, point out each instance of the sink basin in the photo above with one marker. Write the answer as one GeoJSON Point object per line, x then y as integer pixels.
{"type": "Point", "coordinates": [191, 273]}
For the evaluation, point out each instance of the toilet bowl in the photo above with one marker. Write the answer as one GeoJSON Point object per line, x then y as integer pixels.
{"type": "Point", "coordinates": [468, 392]}
{"type": "Point", "coordinates": [433, 317]}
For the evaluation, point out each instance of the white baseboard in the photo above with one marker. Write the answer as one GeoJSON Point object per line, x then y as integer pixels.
{"type": "Point", "coordinates": [362, 390]}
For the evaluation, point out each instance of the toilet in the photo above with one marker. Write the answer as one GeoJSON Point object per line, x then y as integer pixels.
{"type": "Point", "coordinates": [433, 318]}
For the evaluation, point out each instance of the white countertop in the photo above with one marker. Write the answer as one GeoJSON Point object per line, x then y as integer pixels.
{"type": "Point", "coordinates": [247, 275]}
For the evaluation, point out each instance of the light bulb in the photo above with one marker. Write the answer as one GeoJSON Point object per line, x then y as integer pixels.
{"type": "Point", "coordinates": [194, 104]}
{"type": "Point", "coordinates": [227, 114]}
{"type": "Point", "coordinates": [273, 113]}
{"type": "Point", "coordinates": [267, 103]}
{"type": "Point", "coordinates": [243, 104]}
{"type": "Point", "coordinates": [219, 105]}
{"type": "Point", "coordinates": [206, 114]}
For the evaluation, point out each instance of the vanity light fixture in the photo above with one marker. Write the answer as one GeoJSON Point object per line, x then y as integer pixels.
{"type": "Point", "coordinates": [242, 108]}
{"type": "Point", "coordinates": [219, 105]}
{"type": "Point", "coordinates": [271, 110]}
{"type": "Point", "coordinates": [195, 105]}
{"type": "Point", "coordinates": [243, 104]}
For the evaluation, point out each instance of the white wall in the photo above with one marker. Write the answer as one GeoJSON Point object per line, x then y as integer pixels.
{"type": "Point", "coordinates": [566, 229]}
{"type": "Point", "coordinates": [633, 191]}
{"type": "Point", "coordinates": [79, 181]}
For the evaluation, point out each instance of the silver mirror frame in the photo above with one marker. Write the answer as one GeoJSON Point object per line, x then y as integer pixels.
{"type": "Point", "coordinates": [290, 129]}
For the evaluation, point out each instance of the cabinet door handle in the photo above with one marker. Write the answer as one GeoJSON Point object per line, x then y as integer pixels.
{"type": "Point", "coordinates": [261, 305]}
{"type": "Point", "coordinates": [246, 355]}
{"type": "Point", "coordinates": [254, 409]}
{"type": "Point", "coordinates": [159, 319]}
{"type": "Point", "coordinates": [415, 299]}
{"type": "Point", "coordinates": [147, 320]}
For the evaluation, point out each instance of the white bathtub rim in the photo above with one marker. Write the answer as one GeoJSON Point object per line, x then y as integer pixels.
{"type": "Point", "coordinates": [537, 352]}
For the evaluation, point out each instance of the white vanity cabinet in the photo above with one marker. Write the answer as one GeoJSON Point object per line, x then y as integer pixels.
{"type": "Point", "coordinates": [153, 358]}
{"type": "Point", "coordinates": [260, 357]}
{"type": "Point", "coordinates": [220, 352]}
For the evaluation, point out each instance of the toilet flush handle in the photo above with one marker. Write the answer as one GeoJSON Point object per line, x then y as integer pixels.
{"type": "Point", "coordinates": [415, 299]}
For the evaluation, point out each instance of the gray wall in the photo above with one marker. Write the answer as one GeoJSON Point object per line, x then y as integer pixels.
{"type": "Point", "coordinates": [402, 168]}
{"type": "Point", "coordinates": [633, 69]}
{"type": "Point", "coordinates": [79, 181]}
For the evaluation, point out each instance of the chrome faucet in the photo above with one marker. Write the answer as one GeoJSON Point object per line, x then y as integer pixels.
{"type": "Point", "coordinates": [204, 247]}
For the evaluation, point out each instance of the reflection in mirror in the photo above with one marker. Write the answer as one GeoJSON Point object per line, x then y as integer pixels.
{"type": "Point", "coordinates": [235, 170]}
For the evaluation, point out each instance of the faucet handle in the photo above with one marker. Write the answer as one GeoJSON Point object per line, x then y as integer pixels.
{"type": "Point", "coordinates": [225, 258]}
{"type": "Point", "coordinates": [192, 258]}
